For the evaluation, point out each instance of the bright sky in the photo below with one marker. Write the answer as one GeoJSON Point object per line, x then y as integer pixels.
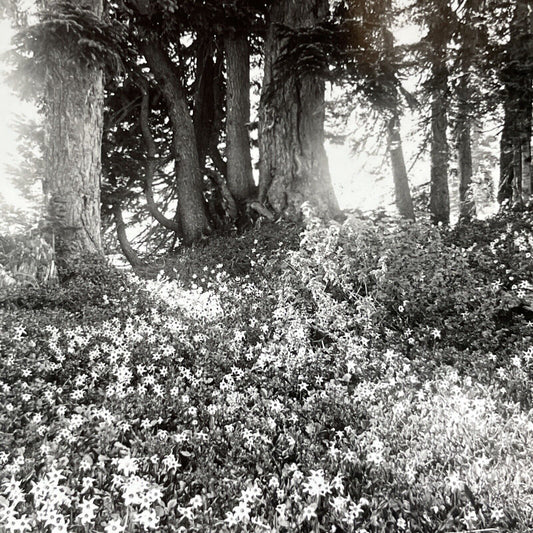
{"type": "Point", "coordinates": [10, 108]}
{"type": "Point", "coordinates": [7, 103]}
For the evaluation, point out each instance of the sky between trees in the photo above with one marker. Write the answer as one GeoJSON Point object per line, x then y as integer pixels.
{"type": "Point", "coordinates": [173, 130]}
{"type": "Point", "coordinates": [356, 186]}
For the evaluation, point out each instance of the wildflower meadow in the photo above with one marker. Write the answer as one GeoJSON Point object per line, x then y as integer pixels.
{"type": "Point", "coordinates": [358, 377]}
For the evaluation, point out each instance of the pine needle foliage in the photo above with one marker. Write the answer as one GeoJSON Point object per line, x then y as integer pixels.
{"type": "Point", "coordinates": [73, 31]}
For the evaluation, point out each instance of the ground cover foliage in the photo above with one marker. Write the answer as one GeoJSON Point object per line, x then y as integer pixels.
{"type": "Point", "coordinates": [365, 376]}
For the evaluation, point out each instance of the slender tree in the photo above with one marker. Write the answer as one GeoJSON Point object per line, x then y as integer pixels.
{"type": "Point", "coordinates": [467, 37]}
{"type": "Point", "coordinates": [191, 212]}
{"type": "Point", "coordinates": [366, 56]}
{"type": "Point", "coordinates": [129, 253]}
{"type": "Point", "coordinates": [438, 39]}
{"type": "Point", "coordinates": [402, 192]}
{"type": "Point", "coordinates": [150, 164]}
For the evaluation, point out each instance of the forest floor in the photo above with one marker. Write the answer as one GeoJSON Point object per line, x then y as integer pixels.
{"type": "Point", "coordinates": [370, 376]}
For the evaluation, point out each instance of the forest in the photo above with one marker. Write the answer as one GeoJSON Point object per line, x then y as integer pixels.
{"type": "Point", "coordinates": [196, 333]}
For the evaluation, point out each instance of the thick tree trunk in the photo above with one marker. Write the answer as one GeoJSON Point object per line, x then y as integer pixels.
{"type": "Point", "coordinates": [402, 194]}
{"type": "Point", "coordinates": [293, 165]}
{"type": "Point", "coordinates": [239, 162]}
{"type": "Point", "coordinates": [72, 154]}
{"type": "Point", "coordinates": [191, 213]}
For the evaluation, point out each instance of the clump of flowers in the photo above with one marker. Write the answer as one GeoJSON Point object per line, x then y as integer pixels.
{"type": "Point", "coordinates": [324, 388]}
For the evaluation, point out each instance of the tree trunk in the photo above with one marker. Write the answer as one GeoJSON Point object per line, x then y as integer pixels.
{"type": "Point", "coordinates": [72, 155]}
{"type": "Point", "coordinates": [524, 141]}
{"type": "Point", "coordinates": [205, 116]}
{"type": "Point", "coordinates": [239, 162]}
{"type": "Point", "coordinates": [293, 166]}
{"type": "Point", "coordinates": [467, 206]}
{"type": "Point", "coordinates": [515, 146]}
{"type": "Point", "coordinates": [439, 201]}
{"type": "Point", "coordinates": [505, 187]}
{"type": "Point", "coordinates": [526, 169]}
{"type": "Point", "coordinates": [515, 150]}
{"type": "Point", "coordinates": [402, 194]}
{"type": "Point", "coordinates": [191, 213]}
{"type": "Point", "coordinates": [468, 36]}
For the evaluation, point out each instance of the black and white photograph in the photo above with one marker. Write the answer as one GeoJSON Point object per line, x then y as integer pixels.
{"type": "Point", "coordinates": [266, 266]}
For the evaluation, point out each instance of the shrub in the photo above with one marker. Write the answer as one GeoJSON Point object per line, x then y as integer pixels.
{"type": "Point", "coordinates": [87, 286]}
{"type": "Point", "coordinates": [407, 284]}
{"type": "Point", "coordinates": [25, 260]}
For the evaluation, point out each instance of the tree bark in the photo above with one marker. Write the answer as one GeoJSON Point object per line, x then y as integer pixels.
{"type": "Point", "coordinates": [205, 99]}
{"type": "Point", "coordinates": [439, 201]}
{"type": "Point", "coordinates": [467, 206]}
{"type": "Point", "coordinates": [517, 171]}
{"type": "Point", "coordinates": [526, 169]}
{"type": "Point", "coordinates": [293, 166]}
{"type": "Point", "coordinates": [72, 154]}
{"type": "Point", "coordinates": [239, 162]}
{"type": "Point", "coordinates": [515, 145]}
{"type": "Point", "coordinates": [191, 213]}
{"type": "Point", "coordinates": [505, 187]}
{"type": "Point", "coordinates": [402, 194]}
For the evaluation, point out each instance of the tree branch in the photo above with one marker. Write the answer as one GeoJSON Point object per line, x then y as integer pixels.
{"type": "Point", "coordinates": [151, 162]}
{"type": "Point", "coordinates": [125, 246]}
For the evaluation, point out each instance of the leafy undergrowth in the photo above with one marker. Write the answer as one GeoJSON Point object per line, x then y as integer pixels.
{"type": "Point", "coordinates": [377, 378]}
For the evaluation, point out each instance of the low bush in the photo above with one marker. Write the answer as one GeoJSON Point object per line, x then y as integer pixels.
{"type": "Point", "coordinates": [417, 289]}
{"type": "Point", "coordinates": [25, 260]}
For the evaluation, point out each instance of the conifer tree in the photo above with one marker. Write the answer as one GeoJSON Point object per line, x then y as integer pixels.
{"type": "Point", "coordinates": [293, 162]}
{"type": "Point", "coordinates": [439, 33]}
{"type": "Point", "coordinates": [73, 96]}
